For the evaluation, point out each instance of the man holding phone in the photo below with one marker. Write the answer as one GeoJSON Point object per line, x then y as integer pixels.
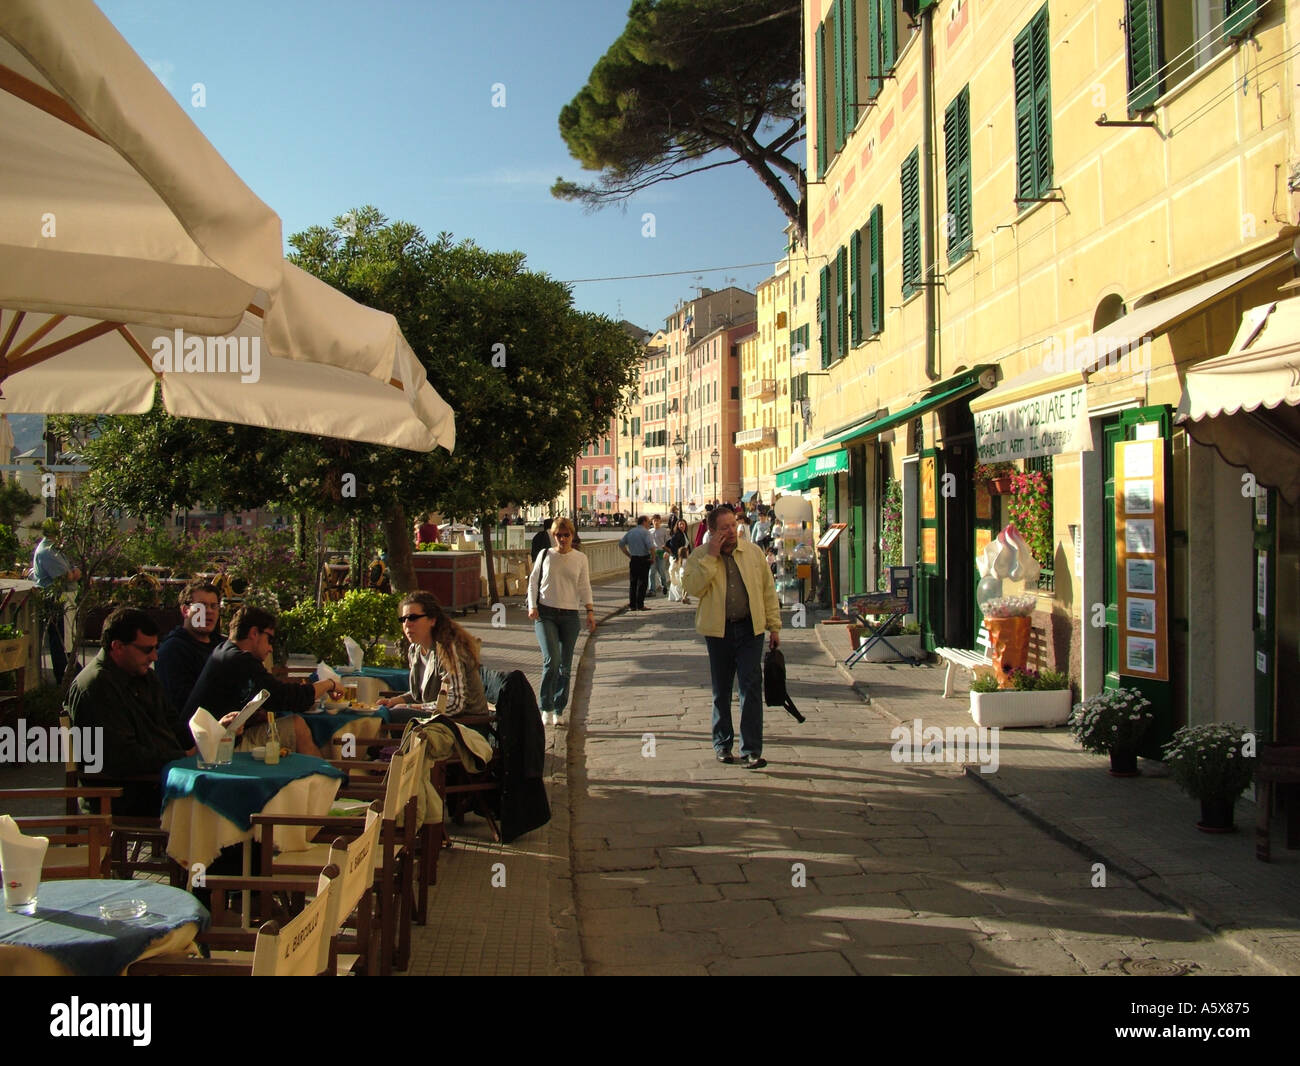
{"type": "Point", "coordinates": [737, 603]}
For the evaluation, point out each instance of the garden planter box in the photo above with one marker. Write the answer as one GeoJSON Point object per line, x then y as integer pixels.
{"type": "Point", "coordinates": [13, 654]}
{"type": "Point", "coordinates": [1012, 710]}
{"type": "Point", "coordinates": [908, 645]}
{"type": "Point", "coordinates": [453, 577]}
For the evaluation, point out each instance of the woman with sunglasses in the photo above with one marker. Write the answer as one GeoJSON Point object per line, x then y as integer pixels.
{"type": "Point", "coordinates": [559, 583]}
{"type": "Point", "coordinates": [443, 657]}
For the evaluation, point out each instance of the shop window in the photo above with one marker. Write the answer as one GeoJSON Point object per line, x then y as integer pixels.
{"type": "Point", "coordinates": [1036, 521]}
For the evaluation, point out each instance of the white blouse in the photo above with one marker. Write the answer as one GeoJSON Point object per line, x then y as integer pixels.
{"type": "Point", "coordinates": [567, 582]}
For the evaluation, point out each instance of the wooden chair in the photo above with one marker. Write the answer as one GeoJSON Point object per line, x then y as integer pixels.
{"type": "Point", "coordinates": [78, 842]}
{"type": "Point", "coordinates": [300, 948]}
{"type": "Point", "coordinates": [394, 880]}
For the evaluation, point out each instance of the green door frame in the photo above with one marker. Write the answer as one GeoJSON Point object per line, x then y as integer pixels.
{"type": "Point", "coordinates": [858, 553]}
{"type": "Point", "coordinates": [929, 585]}
{"type": "Point", "coordinates": [1265, 628]}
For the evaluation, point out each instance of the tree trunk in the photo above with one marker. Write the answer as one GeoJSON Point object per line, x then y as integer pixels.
{"type": "Point", "coordinates": [397, 542]}
{"type": "Point", "coordinates": [485, 527]}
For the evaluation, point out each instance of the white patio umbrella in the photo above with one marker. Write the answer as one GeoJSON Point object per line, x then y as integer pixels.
{"type": "Point", "coordinates": [120, 224]}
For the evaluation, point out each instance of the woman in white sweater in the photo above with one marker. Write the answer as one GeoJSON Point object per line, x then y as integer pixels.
{"type": "Point", "coordinates": [559, 584]}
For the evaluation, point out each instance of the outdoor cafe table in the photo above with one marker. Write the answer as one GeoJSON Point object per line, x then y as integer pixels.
{"type": "Point", "coordinates": [393, 677]}
{"type": "Point", "coordinates": [75, 939]}
{"type": "Point", "coordinates": [327, 727]}
{"type": "Point", "coordinates": [207, 810]}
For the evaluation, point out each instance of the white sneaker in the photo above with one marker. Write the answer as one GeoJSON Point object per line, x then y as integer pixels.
{"type": "Point", "coordinates": [545, 715]}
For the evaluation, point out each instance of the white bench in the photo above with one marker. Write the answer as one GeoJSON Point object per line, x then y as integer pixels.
{"type": "Point", "coordinates": [974, 661]}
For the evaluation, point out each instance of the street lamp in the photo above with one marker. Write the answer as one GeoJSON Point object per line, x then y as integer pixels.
{"type": "Point", "coordinates": [635, 482]}
{"type": "Point", "coordinates": [714, 457]}
{"type": "Point", "coordinates": [679, 447]}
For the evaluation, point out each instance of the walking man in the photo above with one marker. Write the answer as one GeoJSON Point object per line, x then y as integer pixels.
{"type": "Point", "coordinates": [639, 547]}
{"type": "Point", "coordinates": [659, 567]}
{"type": "Point", "coordinates": [737, 603]}
{"type": "Point", "coordinates": [51, 570]}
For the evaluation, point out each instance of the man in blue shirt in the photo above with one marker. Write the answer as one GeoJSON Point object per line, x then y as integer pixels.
{"type": "Point", "coordinates": [639, 546]}
{"type": "Point", "coordinates": [49, 567]}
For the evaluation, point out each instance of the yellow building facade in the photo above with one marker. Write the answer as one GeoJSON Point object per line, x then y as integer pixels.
{"type": "Point", "coordinates": [1027, 222]}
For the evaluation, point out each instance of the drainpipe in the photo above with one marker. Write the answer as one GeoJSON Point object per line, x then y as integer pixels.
{"type": "Point", "coordinates": [929, 266]}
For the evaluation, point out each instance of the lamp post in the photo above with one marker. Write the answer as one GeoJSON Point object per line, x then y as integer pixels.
{"type": "Point", "coordinates": [679, 447]}
{"type": "Point", "coordinates": [714, 457]}
{"type": "Point", "coordinates": [635, 482]}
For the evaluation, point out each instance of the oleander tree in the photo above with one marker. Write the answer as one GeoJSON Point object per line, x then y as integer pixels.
{"type": "Point", "coordinates": [532, 381]}
{"type": "Point", "coordinates": [689, 86]}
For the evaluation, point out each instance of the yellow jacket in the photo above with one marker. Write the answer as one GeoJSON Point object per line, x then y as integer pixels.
{"type": "Point", "coordinates": [706, 578]}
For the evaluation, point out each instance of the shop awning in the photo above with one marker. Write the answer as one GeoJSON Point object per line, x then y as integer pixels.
{"type": "Point", "coordinates": [1124, 334]}
{"type": "Point", "coordinates": [941, 393]}
{"type": "Point", "coordinates": [1246, 404]}
{"type": "Point", "coordinates": [800, 478]}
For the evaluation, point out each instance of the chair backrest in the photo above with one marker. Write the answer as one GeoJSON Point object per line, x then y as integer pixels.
{"type": "Point", "coordinates": [300, 948]}
{"type": "Point", "coordinates": [403, 775]}
{"type": "Point", "coordinates": [982, 639]}
{"type": "Point", "coordinates": [356, 863]}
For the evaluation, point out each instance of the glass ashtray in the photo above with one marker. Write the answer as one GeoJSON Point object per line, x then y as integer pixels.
{"type": "Point", "coordinates": [123, 910]}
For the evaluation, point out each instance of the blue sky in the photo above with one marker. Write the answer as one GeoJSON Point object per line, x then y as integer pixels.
{"type": "Point", "coordinates": [324, 105]}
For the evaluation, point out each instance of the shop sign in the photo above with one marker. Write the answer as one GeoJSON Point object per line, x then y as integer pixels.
{"type": "Point", "coordinates": [1043, 425]}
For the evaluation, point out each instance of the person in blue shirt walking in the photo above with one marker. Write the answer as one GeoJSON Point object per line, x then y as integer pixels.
{"type": "Point", "coordinates": [49, 568]}
{"type": "Point", "coordinates": [639, 547]}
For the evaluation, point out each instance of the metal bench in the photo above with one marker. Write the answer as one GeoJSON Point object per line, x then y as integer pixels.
{"type": "Point", "coordinates": [974, 661]}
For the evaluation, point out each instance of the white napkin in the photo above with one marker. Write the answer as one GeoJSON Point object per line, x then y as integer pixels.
{"type": "Point", "coordinates": [19, 853]}
{"type": "Point", "coordinates": [324, 673]}
{"type": "Point", "coordinates": [356, 657]}
{"type": "Point", "coordinates": [207, 733]}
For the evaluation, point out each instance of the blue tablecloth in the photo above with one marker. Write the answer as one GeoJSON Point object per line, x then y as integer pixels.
{"type": "Point", "coordinates": [68, 927]}
{"type": "Point", "coordinates": [392, 677]}
{"type": "Point", "coordinates": [323, 725]}
{"type": "Point", "coordinates": [242, 789]}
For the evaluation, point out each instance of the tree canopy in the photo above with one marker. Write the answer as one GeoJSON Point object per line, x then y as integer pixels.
{"type": "Point", "coordinates": [531, 379]}
{"type": "Point", "coordinates": [688, 80]}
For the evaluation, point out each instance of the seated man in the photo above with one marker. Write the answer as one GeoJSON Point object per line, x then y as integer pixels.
{"type": "Point", "coordinates": [118, 694]}
{"type": "Point", "coordinates": [234, 674]}
{"type": "Point", "coordinates": [185, 650]}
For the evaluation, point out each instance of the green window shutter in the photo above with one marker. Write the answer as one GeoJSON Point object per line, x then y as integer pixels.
{"type": "Point", "coordinates": [876, 253]}
{"type": "Point", "coordinates": [855, 285]}
{"type": "Point", "coordinates": [888, 35]}
{"type": "Point", "coordinates": [873, 48]}
{"type": "Point", "coordinates": [956, 157]}
{"type": "Point", "coordinates": [1023, 67]}
{"type": "Point", "coordinates": [838, 43]}
{"type": "Point", "coordinates": [1142, 30]}
{"type": "Point", "coordinates": [824, 316]}
{"type": "Point", "coordinates": [1239, 16]}
{"type": "Point", "coordinates": [1042, 103]}
{"type": "Point", "coordinates": [821, 102]}
{"type": "Point", "coordinates": [910, 180]}
{"type": "Point", "coordinates": [849, 27]}
{"type": "Point", "coordinates": [841, 302]}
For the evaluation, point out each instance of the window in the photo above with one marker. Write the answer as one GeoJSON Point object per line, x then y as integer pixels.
{"type": "Point", "coordinates": [1033, 110]}
{"type": "Point", "coordinates": [586, 477]}
{"type": "Point", "coordinates": [606, 445]}
{"type": "Point", "coordinates": [1169, 40]}
{"type": "Point", "coordinates": [882, 42]}
{"type": "Point", "coordinates": [823, 317]}
{"type": "Point", "coordinates": [735, 392]}
{"type": "Point", "coordinates": [841, 302]}
{"type": "Point", "coordinates": [956, 161]}
{"type": "Point", "coordinates": [910, 180]}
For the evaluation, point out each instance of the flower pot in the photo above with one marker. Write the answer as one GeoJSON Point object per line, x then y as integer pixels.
{"type": "Point", "coordinates": [1216, 814]}
{"type": "Point", "coordinates": [1123, 762]}
{"type": "Point", "coordinates": [908, 645]}
{"type": "Point", "coordinates": [1020, 710]}
{"type": "Point", "coordinates": [1000, 486]}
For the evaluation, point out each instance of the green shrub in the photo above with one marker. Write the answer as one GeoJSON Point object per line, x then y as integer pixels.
{"type": "Point", "coordinates": [369, 618]}
{"type": "Point", "coordinates": [985, 682]}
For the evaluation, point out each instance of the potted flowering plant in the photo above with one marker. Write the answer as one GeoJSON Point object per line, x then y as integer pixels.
{"type": "Point", "coordinates": [1036, 698]}
{"type": "Point", "coordinates": [996, 475]}
{"type": "Point", "coordinates": [1212, 763]}
{"type": "Point", "coordinates": [1113, 722]}
{"type": "Point", "coordinates": [1030, 509]}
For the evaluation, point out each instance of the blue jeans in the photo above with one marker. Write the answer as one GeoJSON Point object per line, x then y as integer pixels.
{"type": "Point", "coordinates": [659, 571]}
{"type": "Point", "coordinates": [557, 635]}
{"type": "Point", "coordinates": [738, 651]}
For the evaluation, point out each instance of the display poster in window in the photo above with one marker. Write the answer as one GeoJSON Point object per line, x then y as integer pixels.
{"type": "Point", "coordinates": [930, 546]}
{"type": "Point", "coordinates": [928, 509]}
{"type": "Point", "coordinates": [1140, 552]}
{"type": "Point", "coordinates": [983, 502]}
{"type": "Point", "coordinates": [1261, 584]}
{"type": "Point", "coordinates": [982, 538]}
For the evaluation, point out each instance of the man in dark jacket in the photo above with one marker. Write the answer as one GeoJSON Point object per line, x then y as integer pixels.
{"type": "Point", "coordinates": [541, 540]}
{"type": "Point", "coordinates": [184, 652]}
{"type": "Point", "coordinates": [234, 674]}
{"type": "Point", "coordinates": [118, 694]}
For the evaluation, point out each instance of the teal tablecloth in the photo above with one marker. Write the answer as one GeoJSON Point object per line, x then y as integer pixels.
{"type": "Point", "coordinates": [242, 789]}
{"type": "Point", "coordinates": [68, 927]}
{"type": "Point", "coordinates": [323, 725]}
{"type": "Point", "coordinates": [395, 679]}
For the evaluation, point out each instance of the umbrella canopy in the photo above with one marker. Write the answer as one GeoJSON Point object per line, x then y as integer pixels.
{"type": "Point", "coordinates": [120, 224]}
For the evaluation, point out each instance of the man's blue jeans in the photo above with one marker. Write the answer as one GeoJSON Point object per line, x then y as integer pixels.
{"type": "Point", "coordinates": [738, 652]}
{"type": "Point", "coordinates": [659, 571]}
{"type": "Point", "coordinates": [557, 635]}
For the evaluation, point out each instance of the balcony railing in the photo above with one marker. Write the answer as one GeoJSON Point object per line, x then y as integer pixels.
{"type": "Point", "coordinates": [763, 389]}
{"type": "Point", "coordinates": [758, 437]}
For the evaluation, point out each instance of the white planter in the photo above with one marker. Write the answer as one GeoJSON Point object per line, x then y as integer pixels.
{"type": "Point", "coordinates": [1012, 710]}
{"type": "Point", "coordinates": [909, 645]}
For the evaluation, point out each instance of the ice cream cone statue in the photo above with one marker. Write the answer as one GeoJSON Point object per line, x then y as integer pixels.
{"type": "Point", "coordinates": [1007, 556]}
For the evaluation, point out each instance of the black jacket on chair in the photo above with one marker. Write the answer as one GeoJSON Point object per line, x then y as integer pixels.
{"type": "Point", "coordinates": [521, 752]}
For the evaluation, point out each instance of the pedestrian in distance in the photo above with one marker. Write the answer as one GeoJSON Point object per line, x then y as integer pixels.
{"type": "Point", "coordinates": [542, 539]}
{"type": "Point", "coordinates": [737, 604]}
{"type": "Point", "coordinates": [560, 583]}
{"type": "Point", "coordinates": [51, 571]}
{"type": "Point", "coordinates": [659, 567]}
{"type": "Point", "coordinates": [678, 548]}
{"type": "Point", "coordinates": [639, 547]}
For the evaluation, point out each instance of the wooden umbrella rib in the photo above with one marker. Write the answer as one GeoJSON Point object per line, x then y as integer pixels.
{"type": "Point", "coordinates": [35, 336]}
{"type": "Point", "coordinates": [39, 355]}
{"type": "Point", "coordinates": [39, 97]}
{"type": "Point", "coordinates": [14, 323]}
{"type": "Point", "coordinates": [138, 348]}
